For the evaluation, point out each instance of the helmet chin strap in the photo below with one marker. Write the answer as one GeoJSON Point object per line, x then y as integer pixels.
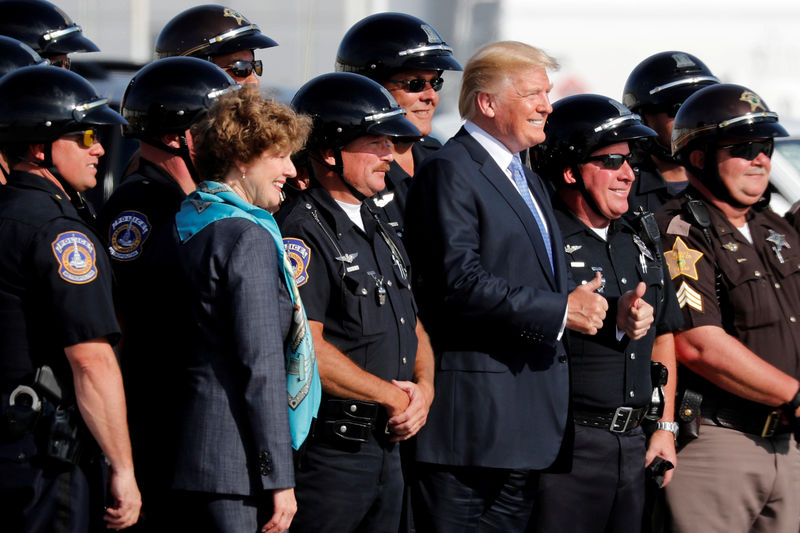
{"type": "Point", "coordinates": [338, 169]}
{"type": "Point", "coordinates": [182, 151]}
{"type": "Point", "coordinates": [581, 187]}
{"type": "Point", "coordinates": [711, 178]}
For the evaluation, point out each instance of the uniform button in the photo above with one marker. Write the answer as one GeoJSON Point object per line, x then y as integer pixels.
{"type": "Point", "coordinates": [343, 429]}
{"type": "Point", "coordinates": [353, 408]}
{"type": "Point", "coordinates": [633, 355]}
{"type": "Point", "coordinates": [364, 292]}
{"type": "Point", "coordinates": [402, 320]}
{"type": "Point", "coordinates": [624, 280]}
{"type": "Point", "coordinates": [562, 358]}
{"type": "Point", "coordinates": [389, 283]}
{"type": "Point", "coordinates": [792, 319]}
{"type": "Point", "coordinates": [777, 285]}
{"type": "Point", "coordinates": [757, 274]}
{"type": "Point", "coordinates": [631, 394]}
{"type": "Point", "coordinates": [405, 360]}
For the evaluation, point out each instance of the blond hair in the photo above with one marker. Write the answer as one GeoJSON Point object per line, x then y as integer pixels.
{"type": "Point", "coordinates": [241, 126]}
{"type": "Point", "coordinates": [491, 66]}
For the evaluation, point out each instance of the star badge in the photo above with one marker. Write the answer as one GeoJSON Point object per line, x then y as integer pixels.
{"type": "Point", "coordinates": [754, 101]}
{"type": "Point", "coordinates": [228, 12]}
{"type": "Point", "coordinates": [682, 260]}
{"type": "Point", "coordinates": [779, 240]}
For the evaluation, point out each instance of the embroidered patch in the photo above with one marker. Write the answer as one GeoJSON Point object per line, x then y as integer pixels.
{"type": "Point", "coordinates": [299, 255]}
{"type": "Point", "coordinates": [76, 257]}
{"type": "Point", "coordinates": [127, 235]}
{"type": "Point", "coordinates": [678, 226]}
{"type": "Point", "coordinates": [682, 260]}
{"type": "Point", "coordinates": [688, 296]}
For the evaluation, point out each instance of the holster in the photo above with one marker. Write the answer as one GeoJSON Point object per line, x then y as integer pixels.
{"type": "Point", "coordinates": [688, 416]}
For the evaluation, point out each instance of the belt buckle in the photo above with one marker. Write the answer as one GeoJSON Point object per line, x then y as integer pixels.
{"type": "Point", "coordinates": [771, 424]}
{"type": "Point", "coordinates": [623, 413]}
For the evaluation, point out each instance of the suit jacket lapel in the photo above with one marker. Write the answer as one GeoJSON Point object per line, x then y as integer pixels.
{"type": "Point", "coordinates": [502, 184]}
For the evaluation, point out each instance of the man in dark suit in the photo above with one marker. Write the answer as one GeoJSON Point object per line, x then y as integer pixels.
{"type": "Point", "coordinates": [491, 283]}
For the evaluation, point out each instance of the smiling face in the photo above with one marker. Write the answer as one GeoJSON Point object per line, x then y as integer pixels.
{"type": "Point", "coordinates": [608, 188]}
{"type": "Point", "coordinates": [420, 106]}
{"type": "Point", "coordinates": [515, 115]}
{"type": "Point", "coordinates": [265, 177]}
{"type": "Point", "coordinates": [77, 163]}
{"type": "Point", "coordinates": [745, 180]}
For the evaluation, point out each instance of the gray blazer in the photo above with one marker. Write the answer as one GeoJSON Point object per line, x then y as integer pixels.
{"type": "Point", "coordinates": [234, 422]}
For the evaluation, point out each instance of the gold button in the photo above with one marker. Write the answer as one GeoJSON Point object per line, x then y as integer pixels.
{"type": "Point", "coordinates": [687, 412]}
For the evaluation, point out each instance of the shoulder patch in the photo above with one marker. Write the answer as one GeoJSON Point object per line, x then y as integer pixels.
{"type": "Point", "coordinates": [76, 257]}
{"type": "Point", "coordinates": [688, 296]}
{"type": "Point", "coordinates": [299, 255]}
{"type": "Point", "coordinates": [127, 235]}
{"type": "Point", "coordinates": [682, 260]}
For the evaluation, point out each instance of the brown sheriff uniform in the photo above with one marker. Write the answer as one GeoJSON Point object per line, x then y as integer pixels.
{"type": "Point", "coordinates": [743, 472]}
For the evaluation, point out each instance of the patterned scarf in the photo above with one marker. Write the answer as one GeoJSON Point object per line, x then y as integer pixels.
{"type": "Point", "coordinates": [214, 201]}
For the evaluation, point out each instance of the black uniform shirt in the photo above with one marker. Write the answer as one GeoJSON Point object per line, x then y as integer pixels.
{"type": "Point", "coordinates": [391, 202]}
{"type": "Point", "coordinates": [55, 280]}
{"type": "Point", "coordinates": [340, 271]}
{"type": "Point", "coordinates": [607, 373]}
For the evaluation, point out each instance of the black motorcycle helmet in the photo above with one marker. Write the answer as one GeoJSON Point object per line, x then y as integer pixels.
{"type": "Point", "coordinates": [15, 54]}
{"type": "Point", "coordinates": [345, 106]}
{"type": "Point", "coordinates": [582, 124]}
{"type": "Point", "coordinates": [170, 95]}
{"type": "Point", "coordinates": [718, 113]}
{"type": "Point", "coordinates": [44, 27]}
{"type": "Point", "coordinates": [209, 30]}
{"type": "Point", "coordinates": [382, 44]}
{"type": "Point", "coordinates": [39, 105]}
{"type": "Point", "coordinates": [664, 80]}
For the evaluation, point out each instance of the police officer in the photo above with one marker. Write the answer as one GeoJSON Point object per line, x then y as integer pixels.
{"type": "Point", "coordinates": [655, 90]}
{"type": "Point", "coordinates": [375, 361]}
{"type": "Point", "coordinates": [586, 155]}
{"type": "Point", "coordinates": [58, 373]}
{"type": "Point", "coordinates": [407, 56]}
{"type": "Point", "coordinates": [218, 34]}
{"type": "Point", "coordinates": [13, 55]}
{"type": "Point", "coordinates": [45, 28]}
{"type": "Point", "coordinates": [162, 101]}
{"type": "Point", "coordinates": [736, 270]}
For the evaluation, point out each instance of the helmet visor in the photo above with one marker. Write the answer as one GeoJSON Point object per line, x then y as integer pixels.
{"type": "Point", "coordinates": [97, 112]}
{"type": "Point", "coordinates": [392, 123]}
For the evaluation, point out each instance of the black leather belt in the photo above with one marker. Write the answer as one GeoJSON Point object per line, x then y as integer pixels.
{"type": "Point", "coordinates": [763, 423]}
{"type": "Point", "coordinates": [349, 421]}
{"type": "Point", "coordinates": [619, 420]}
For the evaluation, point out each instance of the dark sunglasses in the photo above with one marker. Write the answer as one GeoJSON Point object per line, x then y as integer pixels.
{"type": "Point", "coordinates": [87, 138]}
{"type": "Point", "coordinates": [417, 85]}
{"type": "Point", "coordinates": [61, 63]}
{"type": "Point", "coordinates": [611, 161]}
{"type": "Point", "coordinates": [749, 150]}
{"type": "Point", "coordinates": [242, 68]}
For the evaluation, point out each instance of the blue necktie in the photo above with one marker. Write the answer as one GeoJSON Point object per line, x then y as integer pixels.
{"type": "Point", "coordinates": [518, 175]}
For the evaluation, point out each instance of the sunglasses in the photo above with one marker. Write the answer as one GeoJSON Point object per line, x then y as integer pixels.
{"type": "Point", "coordinates": [65, 63]}
{"type": "Point", "coordinates": [417, 85]}
{"type": "Point", "coordinates": [87, 138]}
{"type": "Point", "coordinates": [242, 68]}
{"type": "Point", "coordinates": [611, 161]}
{"type": "Point", "coordinates": [749, 150]}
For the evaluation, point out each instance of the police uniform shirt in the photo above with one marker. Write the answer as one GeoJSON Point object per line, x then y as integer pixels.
{"type": "Point", "coordinates": [390, 203]}
{"type": "Point", "coordinates": [759, 284]}
{"type": "Point", "coordinates": [342, 273]}
{"type": "Point", "coordinates": [606, 372]}
{"type": "Point", "coordinates": [55, 280]}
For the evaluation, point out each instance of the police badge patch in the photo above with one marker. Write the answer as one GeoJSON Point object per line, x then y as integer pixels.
{"type": "Point", "coordinates": [299, 255]}
{"type": "Point", "coordinates": [127, 235]}
{"type": "Point", "coordinates": [76, 257]}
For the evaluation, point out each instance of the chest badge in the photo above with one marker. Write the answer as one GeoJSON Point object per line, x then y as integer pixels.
{"type": "Point", "coordinates": [731, 246]}
{"type": "Point", "coordinates": [572, 248]}
{"type": "Point", "coordinates": [643, 249]}
{"type": "Point", "coordinates": [779, 241]}
{"type": "Point", "coordinates": [682, 260]}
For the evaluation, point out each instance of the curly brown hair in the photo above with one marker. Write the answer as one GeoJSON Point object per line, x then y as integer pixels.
{"type": "Point", "coordinates": [241, 126]}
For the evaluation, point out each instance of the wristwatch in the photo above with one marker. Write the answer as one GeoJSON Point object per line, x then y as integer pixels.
{"type": "Point", "coordinates": [672, 427]}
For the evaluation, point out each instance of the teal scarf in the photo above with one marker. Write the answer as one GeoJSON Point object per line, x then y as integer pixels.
{"type": "Point", "coordinates": [214, 201]}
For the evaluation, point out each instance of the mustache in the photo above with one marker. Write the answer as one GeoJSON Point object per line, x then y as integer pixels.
{"type": "Point", "coordinates": [381, 168]}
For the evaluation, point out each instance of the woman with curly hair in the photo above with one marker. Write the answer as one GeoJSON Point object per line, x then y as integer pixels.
{"type": "Point", "coordinates": [250, 340]}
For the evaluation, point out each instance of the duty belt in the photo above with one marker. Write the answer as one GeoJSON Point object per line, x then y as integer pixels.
{"type": "Point", "coordinates": [349, 421]}
{"type": "Point", "coordinates": [619, 420]}
{"type": "Point", "coordinates": [762, 422]}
